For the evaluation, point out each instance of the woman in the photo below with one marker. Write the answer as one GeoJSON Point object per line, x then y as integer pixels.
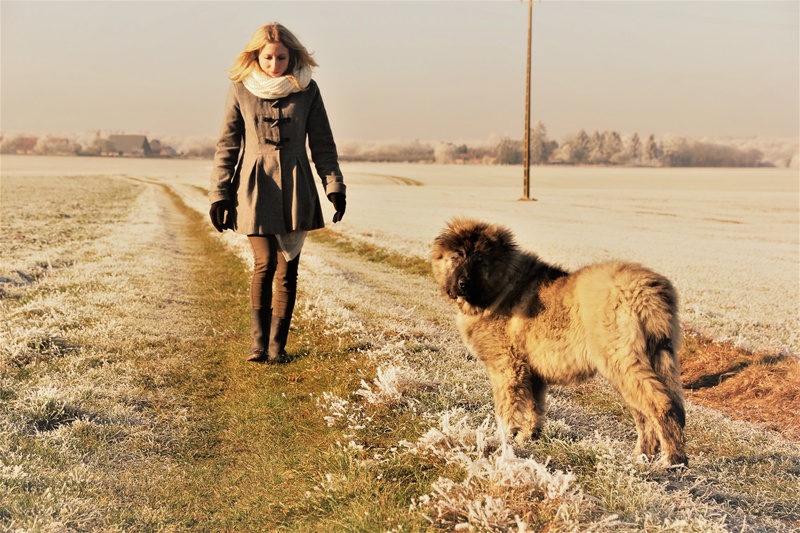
{"type": "Point", "coordinates": [262, 185]}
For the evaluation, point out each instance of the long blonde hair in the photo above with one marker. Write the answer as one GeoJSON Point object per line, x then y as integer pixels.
{"type": "Point", "coordinates": [247, 60]}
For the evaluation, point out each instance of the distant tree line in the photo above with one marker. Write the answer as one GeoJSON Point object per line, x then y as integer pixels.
{"type": "Point", "coordinates": [611, 148]}
{"type": "Point", "coordinates": [608, 148]}
{"type": "Point", "coordinates": [38, 145]}
{"type": "Point", "coordinates": [97, 146]}
{"type": "Point", "coordinates": [387, 152]}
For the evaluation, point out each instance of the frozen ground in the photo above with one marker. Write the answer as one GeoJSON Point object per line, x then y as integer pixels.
{"type": "Point", "coordinates": [728, 238]}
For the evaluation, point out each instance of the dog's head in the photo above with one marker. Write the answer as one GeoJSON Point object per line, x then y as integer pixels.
{"type": "Point", "coordinates": [471, 261]}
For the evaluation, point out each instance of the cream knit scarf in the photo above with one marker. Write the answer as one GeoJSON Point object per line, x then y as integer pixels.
{"type": "Point", "coordinates": [263, 86]}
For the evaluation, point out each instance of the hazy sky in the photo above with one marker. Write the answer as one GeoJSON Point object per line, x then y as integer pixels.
{"type": "Point", "coordinates": [412, 70]}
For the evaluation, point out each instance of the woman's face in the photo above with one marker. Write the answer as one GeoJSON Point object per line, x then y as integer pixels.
{"type": "Point", "coordinates": [274, 59]}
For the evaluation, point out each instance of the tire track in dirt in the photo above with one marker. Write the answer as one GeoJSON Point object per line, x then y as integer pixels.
{"type": "Point", "coordinates": [395, 180]}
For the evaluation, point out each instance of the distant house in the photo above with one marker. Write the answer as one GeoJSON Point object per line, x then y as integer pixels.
{"type": "Point", "coordinates": [25, 145]}
{"type": "Point", "coordinates": [130, 145]}
{"type": "Point", "coordinates": [168, 151]}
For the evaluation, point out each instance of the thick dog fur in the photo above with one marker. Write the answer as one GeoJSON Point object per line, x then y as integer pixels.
{"type": "Point", "coordinates": [534, 324]}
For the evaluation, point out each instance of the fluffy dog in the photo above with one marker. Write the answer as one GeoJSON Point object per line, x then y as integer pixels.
{"type": "Point", "coordinates": [533, 324]}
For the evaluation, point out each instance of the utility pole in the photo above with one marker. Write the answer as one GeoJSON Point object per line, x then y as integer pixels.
{"type": "Point", "coordinates": [526, 148]}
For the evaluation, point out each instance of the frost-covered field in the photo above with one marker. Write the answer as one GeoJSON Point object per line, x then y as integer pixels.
{"type": "Point", "coordinates": [728, 238]}
{"type": "Point", "coordinates": [61, 264]}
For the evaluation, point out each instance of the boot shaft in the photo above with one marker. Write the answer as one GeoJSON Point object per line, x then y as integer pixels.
{"type": "Point", "coordinates": [260, 323]}
{"type": "Point", "coordinates": [279, 333]}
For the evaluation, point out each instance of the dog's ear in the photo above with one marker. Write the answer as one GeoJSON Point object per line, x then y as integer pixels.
{"type": "Point", "coordinates": [443, 242]}
{"type": "Point", "coordinates": [497, 238]}
{"type": "Point", "coordinates": [453, 236]}
{"type": "Point", "coordinates": [505, 238]}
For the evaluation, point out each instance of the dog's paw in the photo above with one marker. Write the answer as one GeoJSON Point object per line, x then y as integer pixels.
{"type": "Point", "coordinates": [672, 462]}
{"type": "Point", "coordinates": [522, 436]}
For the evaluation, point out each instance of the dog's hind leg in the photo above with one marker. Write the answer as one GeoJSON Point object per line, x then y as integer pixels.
{"type": "Point", "coordinates": [667, 366]}
{"type": "Point", "coordinates": [650, 399]}
{"type": "Point", "coordinates": [644, 370]}
{"type": "Point", "coordinates": [647, 442]}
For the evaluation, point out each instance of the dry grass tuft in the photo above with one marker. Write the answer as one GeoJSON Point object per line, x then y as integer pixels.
{"type": "Point", "coordinates": [761, 388]}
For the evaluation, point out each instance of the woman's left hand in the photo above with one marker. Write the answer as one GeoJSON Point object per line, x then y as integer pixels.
{"type": "Point", "coordinates": [339, 203]}
{"type": "Point", "coordinates": [222, 215]}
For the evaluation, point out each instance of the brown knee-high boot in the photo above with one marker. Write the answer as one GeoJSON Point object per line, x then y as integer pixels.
{"type": "Point", "coordinates": [260, 323]}
{"type": "Point", "coordinates": [279, 333]}
{"type": "Point", "coordinates": [285, 292]}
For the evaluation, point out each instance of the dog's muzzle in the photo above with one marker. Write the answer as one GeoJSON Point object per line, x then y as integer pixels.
{"type": "Point", "coordinates": [460, 288]}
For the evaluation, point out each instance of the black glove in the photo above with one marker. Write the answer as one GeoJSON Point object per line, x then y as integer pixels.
{"type": "Point", "coordinates": [222, 215]}
{"type": "Point", "coordinates": [339, 203]}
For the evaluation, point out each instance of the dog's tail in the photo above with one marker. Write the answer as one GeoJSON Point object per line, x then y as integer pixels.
{"type": "Point", "coordinates": [662, 331]}
{"type": "Point", "coordinates": [648, 325]}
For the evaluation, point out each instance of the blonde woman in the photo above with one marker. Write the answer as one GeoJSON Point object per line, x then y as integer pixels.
{"type": "Point", "coordinates": [262, 184]}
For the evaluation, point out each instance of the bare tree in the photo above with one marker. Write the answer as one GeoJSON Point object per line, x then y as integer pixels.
{"type": "Point", "coordinates": [683, 152]}
{"type": "Point", "coordinates": [652, 150]}
{"type": "Point", "coordinates": [575, 149]}
{"type": "Point", "coordinates": [100, 146]}
{"type": "Point", "coordinates": [9, 145]}
{"type": "Point", "coordinates": [541, 147]}
{"type": "Point", "coordinates": [597, 153]}
{"type": "Point", "coordinates": [674, 152]}
{"type": "Point", "coordinates": [634, 149]}
{"type": "Point", "coordinates": [508, 152]}
{"type": "Point", "coordinates": [55, 146]}
{"type": "Point", "coordinates": [613, 149]}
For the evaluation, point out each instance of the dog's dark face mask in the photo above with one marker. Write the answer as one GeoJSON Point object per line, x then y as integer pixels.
{"type": "Point", "coordinates": [468, 262]}
{"type": "Point", "coordinates": [468, 279]}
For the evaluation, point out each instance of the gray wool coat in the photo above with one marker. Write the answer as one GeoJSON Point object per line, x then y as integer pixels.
{"type": "Point", "coordinates": [261, 162]}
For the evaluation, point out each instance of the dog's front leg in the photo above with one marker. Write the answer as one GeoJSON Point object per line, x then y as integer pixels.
{"type": "Point", "coordinates": [514, 398]}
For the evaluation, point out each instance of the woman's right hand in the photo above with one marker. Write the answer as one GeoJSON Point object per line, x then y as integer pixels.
{"type": "Point", "coordinates": [222, 215]}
